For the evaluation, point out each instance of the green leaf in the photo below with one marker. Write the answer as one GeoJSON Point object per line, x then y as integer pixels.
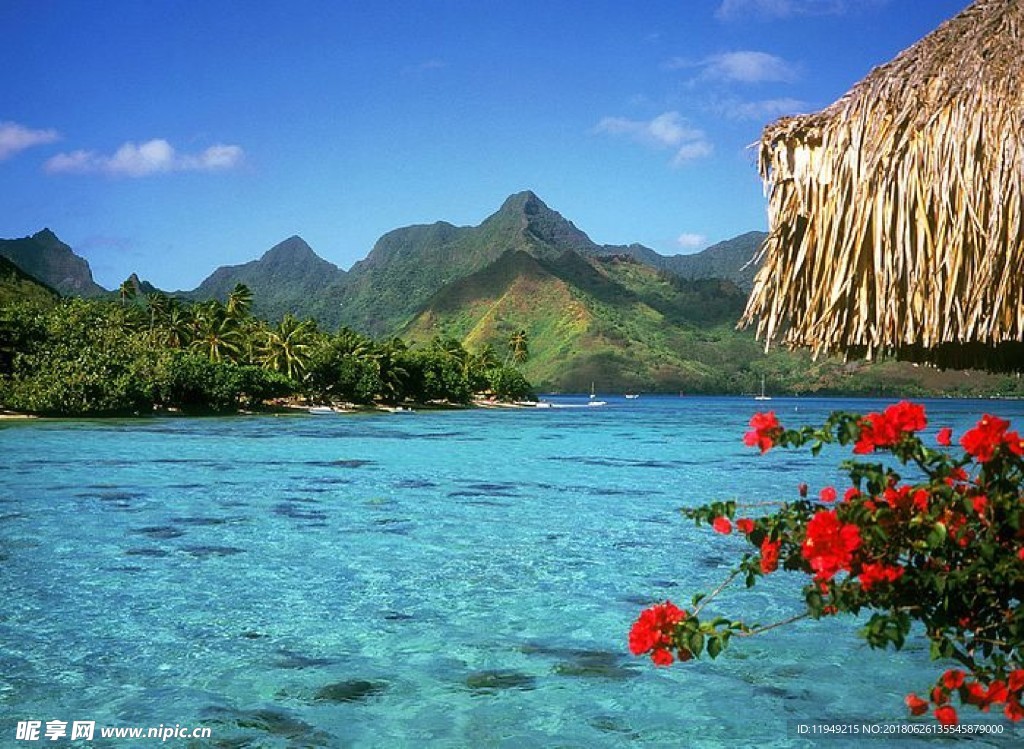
{"type": "Point", "coordinates": [714, 647]}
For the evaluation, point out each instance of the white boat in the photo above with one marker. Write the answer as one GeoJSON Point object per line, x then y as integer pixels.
{"type": "Point", "coordinates": [597, 403]}
{"type": "Point", "coordinates": [762, 396]}
{"type": "Point", "coordinates": [632, 396]}
{"type": "Point", "coordinates": [322, 410]}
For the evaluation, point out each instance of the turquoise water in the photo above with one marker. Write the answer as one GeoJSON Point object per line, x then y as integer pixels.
{"type": "Point", "coordinates": [450, 579]}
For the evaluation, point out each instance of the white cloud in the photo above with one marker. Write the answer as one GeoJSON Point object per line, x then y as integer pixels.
{"type": "Point", "coordinates": [666, 131]}
{"type": "Point", "coordinates": [155, 156]}
{"type": "Point", "coordinates": [744, 66]}
{"type": "Point", "coordinates": [738, 9]}
{"type": "Point", "coordinates": [15, 138]}
{"type": "Point", "coordinates": [691, 241]}
{"type": "Point", "coordinates": [761, 110]}
{"type": "Point", "coordinates": [748, 67]}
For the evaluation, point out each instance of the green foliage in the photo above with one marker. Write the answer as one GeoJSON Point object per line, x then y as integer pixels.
{"type": "Point", "coordinates": [508, 384]}
{"type": "Point", "coordinates": [106, 357]}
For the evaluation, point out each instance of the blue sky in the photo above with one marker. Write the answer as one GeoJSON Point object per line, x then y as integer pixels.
{"type": "Point", "coordinates": [167, 138]}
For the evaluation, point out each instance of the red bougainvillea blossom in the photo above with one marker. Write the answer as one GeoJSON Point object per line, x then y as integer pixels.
{"type": "Point", "coordinates": [765, 429]}
{"type": "Point", "coordinates": [916, 704]}
{"type": "Point", "coordinates": [873, 573]}
{"type": "Point", "coordinates": [830, 544]}
{"type": "Point", "coordinates": [989, 433]}
{"type": "Point", "coordinates": [652, 633]}
{"type": "Point", "coordinates": [770, 555]}
{"type": "Point", "coordinates": [722, 525]}
{"type": "Point", "coordinates": [746, 525]}
{"type": "Point", "coordinates": [885, 429]}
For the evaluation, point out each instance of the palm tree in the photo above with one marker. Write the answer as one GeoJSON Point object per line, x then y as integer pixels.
{"type": "Point", "coordinates": [518, 347]}
{"type": "Point", "coordinates": [286, 348]}
{"type": "Point", "coordinates": [487, 357]}
{"type": "Point", "coordinates": [216, 333]}
{"type": "Point", "coordinates": [177, 330]}
{"type": "Point", "coordinates": [127, 290]}
{"type": "Point", "coordinates": [240, 301]}
{"type": "Point", "coordinates": [158, 304]}
{"type": "Point", "coordinates": [393, 376]}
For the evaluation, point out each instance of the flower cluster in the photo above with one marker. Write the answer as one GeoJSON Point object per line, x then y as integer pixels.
{"type": "Point", "coordinates": [885, 429]}
{"type": "Point", "coordinates": [1009, 693]}
{"type": "Point", "coordinates": [943, 546]}
{"type": "Point", "coordinates": [654, 633]}
{"type": "Point", "coordinates": [982, 441]}
{"type": "Point", "coordinates": [765, 431]}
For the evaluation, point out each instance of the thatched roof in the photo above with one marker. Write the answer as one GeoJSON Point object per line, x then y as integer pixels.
{"type": "Point", "coordinates": [897, 213]}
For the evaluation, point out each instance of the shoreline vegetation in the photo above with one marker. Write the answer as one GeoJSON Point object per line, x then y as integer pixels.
{"type": "Point", "coordinates": [149, 354]}
{"type": "Point", "coordinates": [131, 357]}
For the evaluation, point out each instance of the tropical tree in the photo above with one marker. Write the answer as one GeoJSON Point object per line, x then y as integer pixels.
{"type": "Point", "coordinates": [216, 333]}
{"type": "Point", "coordinates": [343, 367]}
{"type": "Point", "coordinates": [393, 368]}
{"type": "Point", "coordinates": [286, 348]}
{"type": "Point", "coordinates": [518, 347]}
{"type": "Point", "coordinates": [127, 291]}
{"type": "Point", "coordinates": [239, 303]}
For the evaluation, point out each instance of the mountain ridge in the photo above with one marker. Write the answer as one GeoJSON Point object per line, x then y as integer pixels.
{"type": "Point", "coordinates": [47, 259]}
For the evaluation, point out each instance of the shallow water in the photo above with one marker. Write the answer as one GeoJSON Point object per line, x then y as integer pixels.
{"type": "Point", "coordinates": [451, 579]}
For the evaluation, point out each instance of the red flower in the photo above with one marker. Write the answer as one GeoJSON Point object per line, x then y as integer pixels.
{"type": "Point", "coordinates": [1016, 681]}
{"type": "Point", "coordinates": [885, 429]}
{"type": "Point", "coordinates": [662, 657]}
{"type": "Point", "coordinates": [906, 417]}
{"type": "Point", "coordinates": [828, 494]}
{"type": "Point", "coordinates": [722, 525]}
{"type": "Point", "coordinates": [851, 494]}
{"type": "Point", "coordinates": [900, 498]}
{"type": "Point", "coordinates": [946, 715]}
{"type": "Point", "coordinates": [981, 441]}
{"type": "Point", "coordinates": [1013, 441]}
{"type": "Point", "coordinates": [769, 556]}
{"type": "Point", "coordinates": [953, 678]}
{"type": "Point", "coordinates": [916, 704]}
{"type": "Point", "coordinates": [976, 695]}
{"type": "Point", "coordinates": [765, 429]}
{"type": "Point", "coordinates": [746, 525]}
{"type": "Point", "coordinates": [875, 572]}
{"type": "Point", "coordinates": [652, 632]}
{"type": "Point", "coordinates": [997, 692]}
{"type": "Point", "coordinates": [980, 504]}
{"type": "Point", "coordinates": [830, 544]}
{"type": "Point", "coordinates": [1013, 710]}
{"type": "Point", "coordinates": [875, 431]}
{"type": "Point", "coordinates": [944, 437]}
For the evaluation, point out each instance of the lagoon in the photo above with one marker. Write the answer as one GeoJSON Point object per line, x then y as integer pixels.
{"type": "Point", "coordinates": [450, 579]}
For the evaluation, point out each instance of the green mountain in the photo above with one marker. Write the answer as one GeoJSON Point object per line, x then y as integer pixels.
{"type": "Point", "coordinates": [731, 260]}
{"type": "Point", "coordinates": [609, 320]}
{"type": "Point", "coordinates": [16, 285]}
{"type": "Point", "coordinates": [408, 266]}
{"type": "Point", "coordinates": [289, 277]}
{"type": "Point", "coordinates": [47, 259]}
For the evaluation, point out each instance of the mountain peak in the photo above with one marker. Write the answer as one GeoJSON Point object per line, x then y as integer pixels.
{"type": "Point", "coordinates": [44, 257]}
{"type": "Point", "coordinates": [292, 249]}
{"type": "Point", "coordinates": [523, 202]}
{"type": "Point", "coordinates": [532, 216]}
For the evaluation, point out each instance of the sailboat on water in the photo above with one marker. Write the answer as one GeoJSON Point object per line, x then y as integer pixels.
{"type": "Point", "coordinates": [593, 398]}
{"type": "Point", "coordinates": [762, 396]}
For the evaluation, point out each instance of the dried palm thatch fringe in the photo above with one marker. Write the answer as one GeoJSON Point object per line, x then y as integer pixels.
{"type": "Point", "coordinates": [897, 213]}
